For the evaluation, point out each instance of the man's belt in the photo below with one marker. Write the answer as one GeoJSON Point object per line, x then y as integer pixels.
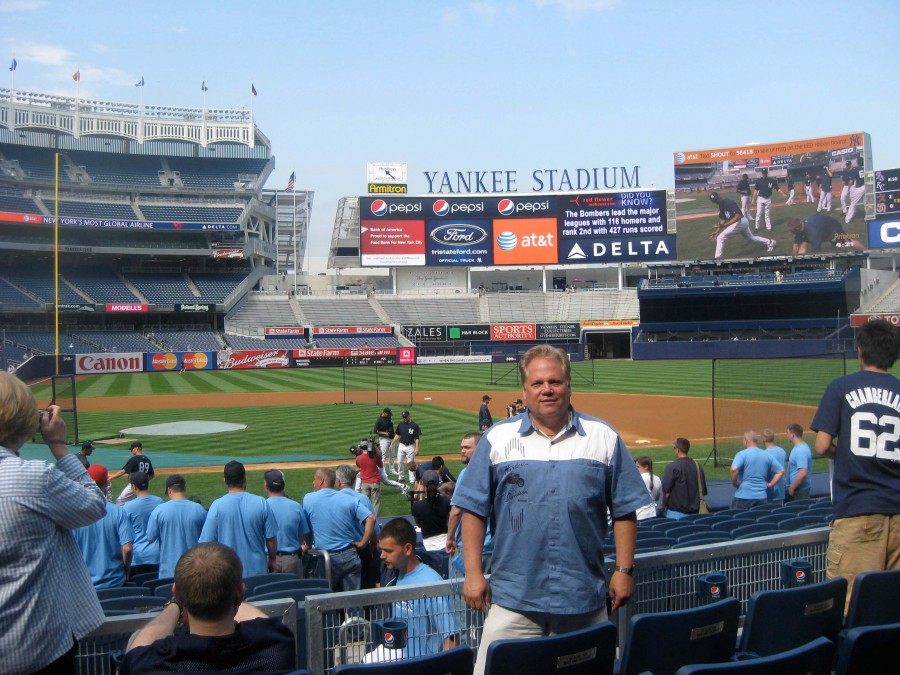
{"type": "Point", "coordinates": [287, 552]}
{"type": "Point", "coordinates": [341, 550]}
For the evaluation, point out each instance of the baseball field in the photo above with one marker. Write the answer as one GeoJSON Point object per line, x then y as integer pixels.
{"type": "Point", "coordinates": [298, 419]}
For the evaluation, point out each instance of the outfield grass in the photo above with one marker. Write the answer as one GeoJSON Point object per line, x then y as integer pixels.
{"type": "Point", "coordinates": [298, 432]}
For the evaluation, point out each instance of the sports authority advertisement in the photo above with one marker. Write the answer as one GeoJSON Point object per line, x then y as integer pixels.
{"type": "Point", "coordinates": [798, 197]}
{"type": "Point", "coordinates": [884, 231]}
{"type": "Point", "coordinates": [93, 364]}
{"type": "Point", "coordinates": [257, 358]}
{"type": "Point", "coordinates": [167, 361]}
{"type": "Point", "coordinates": [627, 226]}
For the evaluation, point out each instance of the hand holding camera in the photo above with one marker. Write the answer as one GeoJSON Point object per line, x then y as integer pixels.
{"type": "Point", "coordinates": [53, 430]}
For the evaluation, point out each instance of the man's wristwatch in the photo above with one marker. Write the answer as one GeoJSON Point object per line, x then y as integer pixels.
{"type": "Point", "coordinates": [624, 570]}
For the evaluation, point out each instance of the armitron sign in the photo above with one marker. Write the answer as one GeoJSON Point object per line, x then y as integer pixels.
{"type": "Point", "coordinates": [109, 363]}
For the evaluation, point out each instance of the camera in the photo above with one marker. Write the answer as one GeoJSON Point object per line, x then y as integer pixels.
{"type": "Point", "coordinates": [41, 414]}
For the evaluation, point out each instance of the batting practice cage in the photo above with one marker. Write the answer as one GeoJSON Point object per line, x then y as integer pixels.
{"type": "Point", "coordinates": [766, 394]}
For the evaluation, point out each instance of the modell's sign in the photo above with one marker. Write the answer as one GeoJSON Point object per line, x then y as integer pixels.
{"type": "Point", "coordinates": [236, 360]}
{"type": "Point", "coordinates": [513, 331]}
{"type": "Point", "coordinates": [109, 363]}
{"type": "Point", "coordinates": [121, 307]}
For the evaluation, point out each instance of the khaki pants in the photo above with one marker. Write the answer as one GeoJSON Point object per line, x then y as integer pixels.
{"type": "Point", "coordinates": [863, 544]}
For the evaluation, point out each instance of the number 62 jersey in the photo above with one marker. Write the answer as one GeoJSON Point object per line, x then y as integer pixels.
{"type": "Point", "coordinates": [863, 411]}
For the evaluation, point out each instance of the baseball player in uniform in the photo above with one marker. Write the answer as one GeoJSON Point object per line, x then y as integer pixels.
{"type": "Point", "coordinates": [733, 222]}
{"type": "Point", "coordinates": [789, 181]}
{"type": "Point", "coordinates": [848, 178]}
{"type": "Point", "coordinates": [746, 193]}
{"type": "Point", "coordinates": [810, 234]}
{"type": "Point", "coordinates": [762, 191]}
{"type": "Point", "coordinates": [857, 192]}
{"type": "Point", "coordinates": [807, 186]}
{"type": "Point", "coordinates": [384, 429]}
{"type": "Point", "coordinates": [824, 180]}
{"type": "Point", "coordinates": [407, 438]}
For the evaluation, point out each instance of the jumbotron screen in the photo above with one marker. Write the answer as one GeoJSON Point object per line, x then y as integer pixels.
{"type": "Point", "coordinates": [804, 196]}
{"type": "Point", "coordinates": [560, 229]}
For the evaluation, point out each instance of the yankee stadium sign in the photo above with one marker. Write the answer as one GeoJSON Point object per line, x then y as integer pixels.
{"type": "Point", "coordinates": [542, 180]}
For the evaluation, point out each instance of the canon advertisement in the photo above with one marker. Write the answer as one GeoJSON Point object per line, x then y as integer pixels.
{"type": "Point", "coordinates": [94, 364]}
{"type": "Point", "coordinates": [607, 227]}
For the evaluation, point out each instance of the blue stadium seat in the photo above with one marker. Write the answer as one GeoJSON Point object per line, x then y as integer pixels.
{"type": "Point", "coordinates": [875, 599]}
{"type": "Point", "coordinates": [251, 582]}
{"type": "Point", "coordinates": [813, 658]}
{"type": "Point", "coordinates": [291, 584]}
{"type": "Point", "coordinates": [783, 619]}
{"type": "Point", "coordinates": [663, 642]}
{"type": "Point", "coordinates": [134, 604]}
{"type": "Point", "coordinates": [591, 651]}
{"type": "Point", "coordinates": [121, 592]}
{"type": "Point", "coordinates": [868, 649]}
{"type": "Point", "coordinates": [456, 661]}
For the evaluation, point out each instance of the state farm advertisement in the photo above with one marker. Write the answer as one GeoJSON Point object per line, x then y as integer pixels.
{"type": "Point", "coordinates": [92, 364]}
{"type": "Point", "coordinates": [285, 332]}
{"type": "Point", "coordinates": [165, 361]}
{"type": "Point", "coordinates": [257, 358]}
{"type": "Point", "coordinates": [513, 331]}
{"type": "Point", "coordinates": [353, 330]}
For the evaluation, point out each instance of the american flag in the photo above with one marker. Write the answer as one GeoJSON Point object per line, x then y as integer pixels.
{"type": "Point", "coordinates": [290, 186]}
{"type": "Point", "coordinates": [253, 89]}
{"type": "Point", "coordinates": [77, 75]}
{"type": "Point", "coordinates": [203, 86]}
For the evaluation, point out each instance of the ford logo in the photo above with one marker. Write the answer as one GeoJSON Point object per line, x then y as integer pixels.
{"type": "Point", "coordinates": [459, 234]}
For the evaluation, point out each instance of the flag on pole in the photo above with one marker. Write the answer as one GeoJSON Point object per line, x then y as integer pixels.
{"type": "Point", "coordinates": [141, 83]}
{"type": "Point", "coordinates": [203, 86]}
{"type": "Point", "coordinates": [77, 75]}
{"type": "Point", "coordinates": [290, 185]}
{"type": "Point", "coordinates": [252, 89]}
{"type": "Point", "coordinates": [13, 65]}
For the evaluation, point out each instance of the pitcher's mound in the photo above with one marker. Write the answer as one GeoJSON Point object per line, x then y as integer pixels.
{"type": "Point", "coordinates": [186, 428]}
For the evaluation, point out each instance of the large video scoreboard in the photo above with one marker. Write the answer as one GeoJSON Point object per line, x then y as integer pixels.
{"type": "Point", "coordinates": [577, 228]}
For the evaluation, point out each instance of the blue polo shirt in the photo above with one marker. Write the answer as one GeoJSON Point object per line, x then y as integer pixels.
{"type": "Point", "coordinates": [101, 545]}
{"type": "Point", "coordinates": [292, 522]}
{"type": "Point", "coordinates": [429, 621]}
{"type": "Point", "coordinates": [139, 510]}
{"type": "Point", "coordinates": [244, 522]}
{"type": "Point", "coordinates": [176, 526]}
{"type": "Point", "coordinates": [547, 501]}
{"type": "Point", "coordinates": [755, 468]}
{"type": "Point", "coordinates": [776, 494]}
{"type": "Point", "coordinates": [335, 518]}
{"type": "Point", "coordinates": [801, 458]}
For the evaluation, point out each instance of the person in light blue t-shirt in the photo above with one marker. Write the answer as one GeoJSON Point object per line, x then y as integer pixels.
{"type": "Point", "coordinates": [175, 525]}
{"type": "Point", "coordinates": [777, 491]}
{"type": "Point", "coordinates": [244, 522]}
{"type": "Point", "coordinates": [430, 622]}
{"type": "Point", "coordinates": [106, 544]}
{"type": "Point", "coordinates": [293, 525]}
{"type": "Point", "coordinates": [146, 553]}
{"type": "Point", "coordinates": [753, 473]}
{"type": "Point", "coordinates": [799, 465]}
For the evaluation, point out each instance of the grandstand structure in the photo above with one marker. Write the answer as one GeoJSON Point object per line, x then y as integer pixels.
{"type": "Point", "coordinates": [169, 240]}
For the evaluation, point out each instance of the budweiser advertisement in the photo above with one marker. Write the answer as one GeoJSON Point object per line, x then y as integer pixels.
{"type": "Point", "coordinates": [257, 358]}
{"type": "Point", "coordinates": [132, 362]}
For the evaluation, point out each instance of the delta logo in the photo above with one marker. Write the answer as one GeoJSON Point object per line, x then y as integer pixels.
{"type": "Point", "coordinates": [526, 241]}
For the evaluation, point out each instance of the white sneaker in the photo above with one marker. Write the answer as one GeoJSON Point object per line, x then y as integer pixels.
{"type": "Point", "coordinates": [770, 246]}
{"type": "Point", "coordinates": [405, 490]}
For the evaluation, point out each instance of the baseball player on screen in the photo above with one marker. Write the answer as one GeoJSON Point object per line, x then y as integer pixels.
{"type": "Point", "coordinates": [762, 191]}
{"type": "Point", "coordinates": [733, 222]}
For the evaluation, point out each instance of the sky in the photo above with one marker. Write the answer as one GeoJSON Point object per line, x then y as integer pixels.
{"type": "Point", "coordinates": [510, 85]}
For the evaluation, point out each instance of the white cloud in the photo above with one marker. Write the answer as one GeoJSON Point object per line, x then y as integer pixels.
{"type": "Point", "coordinates": [571, 7]}
{"type": "Point", "coordinates": [100, 48]}
{"type": "Point", "coordinates": [47, 55]}
{"type": "Point", "coordinates": [9, 6]}
{"type": "Point", "coordinates": [486, 10]}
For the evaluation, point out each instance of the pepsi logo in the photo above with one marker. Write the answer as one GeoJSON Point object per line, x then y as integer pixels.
{"type": "Point", "coordinates": [389, 638]}
{"type": "Point", "coordinates": [441, 207]}
{"type": "Point", "coordinates": [379, 207]}
{"type": "Point", "coordinates": [506, 207]}
{"type": "Point", "coordinates": [800, 575]}
{"type": "Point", "coordinates": [715, 591]}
